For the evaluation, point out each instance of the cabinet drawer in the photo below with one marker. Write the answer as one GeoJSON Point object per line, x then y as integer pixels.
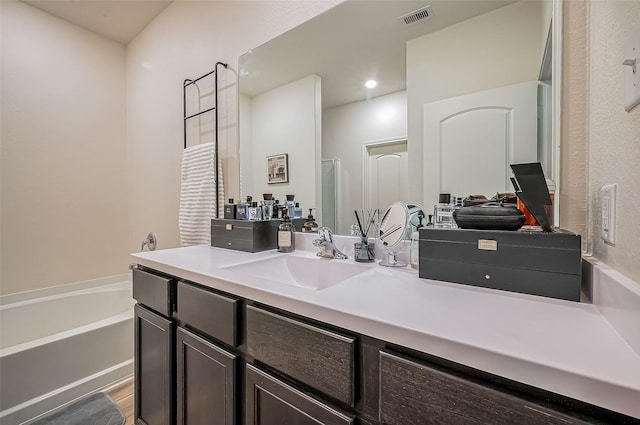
{"type": "Point", "coordinates": [412, 393]}
{"type": "Point", "coordinates": [208, 312]}
{"type": "Point", "coordinates": [153, 291]}
{"type": "Point", "coordinates": [245, 245]}
{"type": "Point", "coordinates": [271, 401]}
{"type": "Point", "coordinates": [234, 229]}
{"type": "Point", "coordinates": [314, 356]}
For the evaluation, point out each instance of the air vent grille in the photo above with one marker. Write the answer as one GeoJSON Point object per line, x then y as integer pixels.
{"type": "Point", "coordinates": [416, 15]}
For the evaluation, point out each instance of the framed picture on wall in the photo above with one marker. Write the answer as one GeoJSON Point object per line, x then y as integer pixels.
{"type": "Point", "coordinates": [278, 168]}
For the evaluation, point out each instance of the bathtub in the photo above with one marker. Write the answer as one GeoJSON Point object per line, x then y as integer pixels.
{"type": "Point", "coordinates": [58, 344]}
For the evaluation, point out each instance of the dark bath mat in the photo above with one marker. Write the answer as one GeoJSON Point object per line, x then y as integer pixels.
{"type": "Point", "coordinates": [94, 409]}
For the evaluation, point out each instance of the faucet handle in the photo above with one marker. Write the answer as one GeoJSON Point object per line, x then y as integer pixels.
{"type": "Point", "coordinates": [325, 234]}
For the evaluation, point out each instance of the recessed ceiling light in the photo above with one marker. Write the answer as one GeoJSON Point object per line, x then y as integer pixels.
{"type": "Point", "coordinates": [371, 84]}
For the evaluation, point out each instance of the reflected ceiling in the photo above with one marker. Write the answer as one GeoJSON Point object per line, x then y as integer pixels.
{"type": "Point", "coordinates": [373, 46]}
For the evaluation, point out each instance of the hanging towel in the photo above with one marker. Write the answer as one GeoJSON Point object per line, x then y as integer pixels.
{"type": "Point", "coordinates": [198, 194]}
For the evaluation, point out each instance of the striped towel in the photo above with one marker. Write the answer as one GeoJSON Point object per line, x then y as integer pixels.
{"type": "Point", "coordinates": [198, 194]}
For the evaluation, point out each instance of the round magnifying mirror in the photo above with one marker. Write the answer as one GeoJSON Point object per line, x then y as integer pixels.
{"type": "Point", "coordinates": [391, 233]}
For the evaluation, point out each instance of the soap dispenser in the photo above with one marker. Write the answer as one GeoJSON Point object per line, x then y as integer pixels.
{"type": "Point", "coordinates": [310, 226]}
{"type": "Point", "coordinates": [286, 234]}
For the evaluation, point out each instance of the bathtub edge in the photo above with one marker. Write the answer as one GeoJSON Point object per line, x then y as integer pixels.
{"type": "Point", "coordinates": [45, 403]}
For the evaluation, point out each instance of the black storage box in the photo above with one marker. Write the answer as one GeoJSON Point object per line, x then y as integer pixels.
{"type": "Point", "coordinates": [244, 235]}
{"type": "Point", "coordinates": [247, 235]}
{"type": "Point", "coordinates": [537, 263]}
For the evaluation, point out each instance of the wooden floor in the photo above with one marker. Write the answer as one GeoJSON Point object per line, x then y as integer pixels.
{"type": "Point", "coordinates": [122, 395]}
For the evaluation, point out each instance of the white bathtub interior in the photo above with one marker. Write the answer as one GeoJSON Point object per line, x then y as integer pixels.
{"type": "Point", "coordinates": [61, 343]}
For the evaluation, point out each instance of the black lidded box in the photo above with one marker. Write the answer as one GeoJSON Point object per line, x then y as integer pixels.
{"type": "Point", "coordinates": [248, 235]}
{"type": "Point", "coordinates": [537, 263]}
{"type": "Point", "coordinates": [244, 235]}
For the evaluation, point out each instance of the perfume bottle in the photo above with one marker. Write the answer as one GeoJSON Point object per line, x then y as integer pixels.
{"type": "Point", "coordinates": [297, 212]}
{"type": "Point", "coordinates": [291, 206]}
{"type": "Point", "coordinates": [230, 210]}
{"type": "Point", "coordinates": [267, 206]}
{"type": "Point", "coordinates": [443, 212]}
{"type": "Point", "coordinates": [255, 212]}
{"type": "Point", "coordinates": [286, 234]}
{"type": "Point", "coordinates": [242, 211]}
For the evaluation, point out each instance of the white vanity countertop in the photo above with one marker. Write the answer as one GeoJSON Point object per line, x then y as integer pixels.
{"type": "Point", "coordinates": [561, 346]}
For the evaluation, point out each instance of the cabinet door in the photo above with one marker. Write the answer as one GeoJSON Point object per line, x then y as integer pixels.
{"type": "Point", "coordinates": [412, 393]}
{"type": "Point", "coordinates": [205, 381]}
{"type": "Point", "coordinates": [153, 382]}
{"type": "Point", "coordinates": [272, 402]}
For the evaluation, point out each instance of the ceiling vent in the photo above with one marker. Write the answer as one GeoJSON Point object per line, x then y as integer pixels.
{"type": "Point", "coordinates": [417, 15]}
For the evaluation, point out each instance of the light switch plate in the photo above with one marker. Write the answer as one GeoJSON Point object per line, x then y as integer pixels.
{"type": "Point", "coordinates": [608, 216]}
{"type": "Point", "coordinates": [631, 79]}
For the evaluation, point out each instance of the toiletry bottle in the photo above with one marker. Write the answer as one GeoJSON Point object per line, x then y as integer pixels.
{"type": "Point", "coordinates": [297, 211]}
{"type": "Point", "coordinates": [255, 212]}
{"type": "Point", "coordinates": [443, 212]}
{"type": "Point", "coordinates": [230, 210]}
{"type": "Point", "coordinates": [291, 206]}
{"type": "Point", "coordinates": [267, 206]}
{"type": "Point", "coordinates": [276, 209]}
{"type": "Point", "coordinates": [242, 213]}
{"type": "Point", "coordinates": [415, 244]}
{"type": "Point", "coordinates": [286, 234]}
{"type": "Point", "coordinates": [310, 226]}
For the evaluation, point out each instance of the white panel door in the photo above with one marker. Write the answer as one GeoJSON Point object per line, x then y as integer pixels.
{"type": "Point", "coordinates": [386, 174]}
{"type": "Point", "coordinates": [470, 140]}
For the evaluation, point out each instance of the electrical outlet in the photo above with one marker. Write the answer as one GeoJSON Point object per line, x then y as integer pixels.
{"type": "Point", "coordinates": [608, 213]}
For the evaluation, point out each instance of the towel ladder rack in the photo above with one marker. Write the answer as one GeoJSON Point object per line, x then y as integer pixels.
{"type": "Point", "coordinates": [213, 109]}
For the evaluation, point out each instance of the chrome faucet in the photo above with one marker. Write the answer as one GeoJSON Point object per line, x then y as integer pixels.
{"type": "Point", "coordinates": [326, 245]}
{"type": "Point", "coordinates": [149, 242]}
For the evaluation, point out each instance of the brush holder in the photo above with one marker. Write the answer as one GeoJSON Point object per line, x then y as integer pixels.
{"type": "Point", "coordinates": [364, 252]}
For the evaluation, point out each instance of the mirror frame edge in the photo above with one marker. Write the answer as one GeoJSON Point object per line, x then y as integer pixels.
{"type": "Point", "coordinates": [556, 72]}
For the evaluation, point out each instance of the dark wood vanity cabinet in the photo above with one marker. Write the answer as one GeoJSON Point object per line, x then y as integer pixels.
{"type": "Point", "coordinates": [214, 358]}
{"type": "Point", "coordinates": [182, 377]}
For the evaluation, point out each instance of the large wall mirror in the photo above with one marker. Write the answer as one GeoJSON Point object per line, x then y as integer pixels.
{"type": "Point", "coordinates": [464, 88]}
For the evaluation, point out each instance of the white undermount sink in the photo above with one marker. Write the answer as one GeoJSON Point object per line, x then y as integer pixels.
{"type": "Point", "coordinates": [307, 271]}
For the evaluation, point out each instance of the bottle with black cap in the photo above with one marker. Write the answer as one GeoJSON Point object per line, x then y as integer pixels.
{"type": "Point", "coordinates": [230, 210]}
